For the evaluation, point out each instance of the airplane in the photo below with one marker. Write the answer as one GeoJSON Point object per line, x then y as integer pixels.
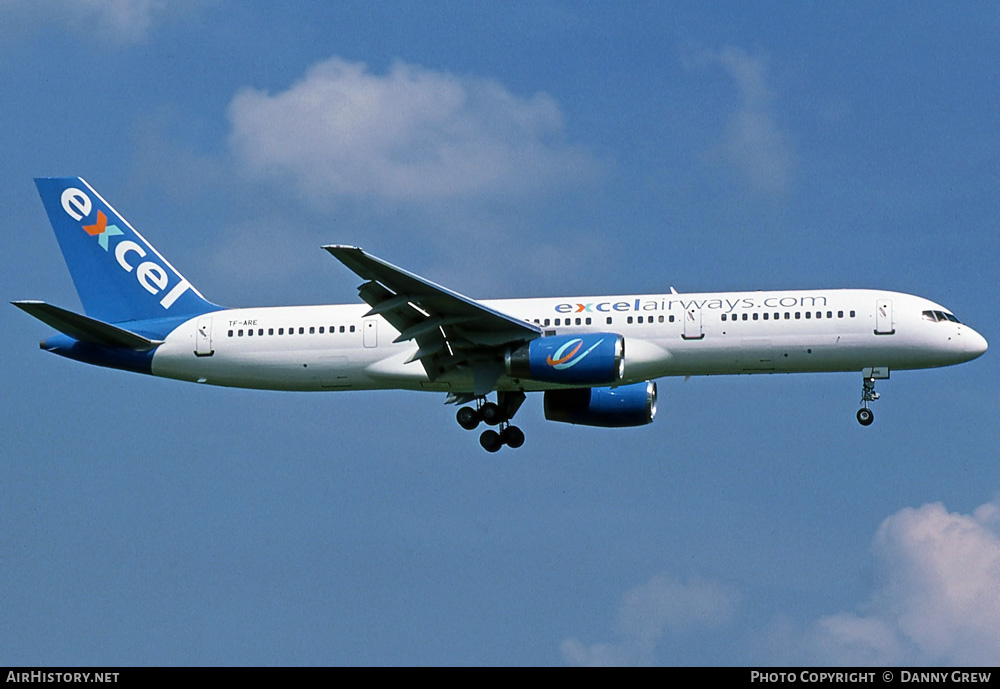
{"type": "Point", "coordinates": [594, 359]}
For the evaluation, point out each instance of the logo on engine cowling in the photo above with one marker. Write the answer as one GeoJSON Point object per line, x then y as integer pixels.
{"type": "Point", "coordinates": [561, 360]}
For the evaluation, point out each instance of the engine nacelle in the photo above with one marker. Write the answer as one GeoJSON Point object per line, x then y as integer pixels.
{"type": "Point", "coordinates": [625, 405]}
{"type": "Point", "coordinates": [585, 359]}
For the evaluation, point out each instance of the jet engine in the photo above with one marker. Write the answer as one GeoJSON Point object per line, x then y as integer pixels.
{"type": "Point", "coordinates": [584, 359]}
{"type": "Point", "coordinates": [625, 405]}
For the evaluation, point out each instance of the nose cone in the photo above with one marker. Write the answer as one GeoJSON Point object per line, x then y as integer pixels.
{"type": "Point", "coordinates": [975, 344]}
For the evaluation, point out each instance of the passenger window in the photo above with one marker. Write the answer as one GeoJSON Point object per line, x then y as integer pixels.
{"type": "Point", "coordinates": [302, 331]}
{"type": "Point", "coordinates": [840, 314]}
{"type": "Point", "coordinates": [723, 316]}
{"type": "Point", "coordinates": [755, 315]}
{"type": "Point", "coordinates": [745, 317]}
{"type": "Point", "coordinates": [671, 318]}
{"type": "Point", "coordinates": [260, 332]}
{"type": "Point", "coordinates": [609, 320]}
{"type": "Point", "coordinates": [765, 315]}
{"type": "Point", "coordinates": [546, 321]}
{"type": "Point", "coordinates": [240, 333]}
{"type": "Point", "coordinates": [852, 314]}
{"type": "Point", "coordinates": [640, 319]}
{"type": "Point", "coordinates": [341, 328]}
{"type": "Point", "coordinates": [230, 333]}
{"type": "Point", "coordinates": [588, 320]}
{"type": "Point", "coordinates": [661, 319]}
{"type": "Point", "coordinates": [798, 315]}
{"type": "Point", "coordinates": [312, 330]}
{"type": "Point", "coordinates": [250, 332]}
{"type": "Point", "coordinates": [352, 328]}
{"type": "Point", "coordinates": [829, 314]}
{"type": "Point", "coordinates": [628, 320]}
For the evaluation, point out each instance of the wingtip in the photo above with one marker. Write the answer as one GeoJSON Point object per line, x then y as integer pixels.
{"type": "Point", "coordinates": [22, 303]}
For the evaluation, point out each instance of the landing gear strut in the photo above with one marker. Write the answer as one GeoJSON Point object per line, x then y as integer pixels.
{"type": "Point", "coordinates": [868, 394]}
{"type": "Point", "coordinates": [494, 414]}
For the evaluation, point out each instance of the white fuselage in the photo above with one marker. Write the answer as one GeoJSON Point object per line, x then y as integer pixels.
{"type": "Point", "coordinates": [337, 348]}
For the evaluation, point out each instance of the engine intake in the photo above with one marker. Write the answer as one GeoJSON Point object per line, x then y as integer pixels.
{"type": "Point", "coordinates": [585, 359]}
{"type": "Point", "coordinates": [625, 405]}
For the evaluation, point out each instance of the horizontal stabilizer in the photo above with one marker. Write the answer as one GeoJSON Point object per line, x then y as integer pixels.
{"type": "Point", "coordinates": [84, 328]}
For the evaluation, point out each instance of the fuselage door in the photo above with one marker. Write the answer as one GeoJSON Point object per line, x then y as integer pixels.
{"type": "Point", "coordinates": [203, 337]}
{"type": "Point", "coordinates": [692, 324]}
{"type": "Point", "coordinates": [370, 328]}
{"type": "Point", "coordinates": [883, 317]}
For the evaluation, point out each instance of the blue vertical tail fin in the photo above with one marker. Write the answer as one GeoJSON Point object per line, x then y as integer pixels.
{"type": "Point", "coordinates": [119, 276]}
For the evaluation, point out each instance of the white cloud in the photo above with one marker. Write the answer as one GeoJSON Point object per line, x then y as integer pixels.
{"type": "Point", "coordinates": [938, 602]}
{"type": "Point", "coordinates": [412, 134]}
{"type": "Point", "coordinates": [943, 585]}
{"type": "Point", "coordinates": [649, 611]}
{"type": "Point", "coordinates": [120, 21]}
{"type": "Point", "coordinates": [755, 144]}
{"type": "Point", "coordinates": [129, 19]}
{"type": "Point", "coordinates": [841, 639]}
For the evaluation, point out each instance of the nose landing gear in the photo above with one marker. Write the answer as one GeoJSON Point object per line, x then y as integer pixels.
{"type": "Point", "coordinates": [868, 394]}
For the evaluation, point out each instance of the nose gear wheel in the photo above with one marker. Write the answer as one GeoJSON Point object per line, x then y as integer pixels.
{"type": "Point", "coordinates": [868, 394]}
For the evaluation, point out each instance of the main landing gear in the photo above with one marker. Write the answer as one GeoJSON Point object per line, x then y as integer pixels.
{"type": "Point", "coordinates": [868, 394]}
{"type": "Point", "coordinates": [494, 414]}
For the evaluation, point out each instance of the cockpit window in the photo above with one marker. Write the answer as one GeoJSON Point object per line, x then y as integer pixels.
{"type": "Point", "coordinates": [939, 316]}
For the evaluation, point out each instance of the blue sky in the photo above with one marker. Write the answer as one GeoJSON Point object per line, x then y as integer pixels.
{"type": "Point", "coordinates": [516, 149]}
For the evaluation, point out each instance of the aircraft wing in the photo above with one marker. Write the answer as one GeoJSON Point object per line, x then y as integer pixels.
{"type": "Point", "coordinates": [451, 330]}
